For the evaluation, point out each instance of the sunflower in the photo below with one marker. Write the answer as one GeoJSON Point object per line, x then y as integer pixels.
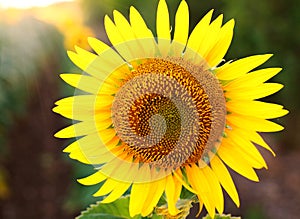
{"type": "Point", "coordinates": [159, 115]}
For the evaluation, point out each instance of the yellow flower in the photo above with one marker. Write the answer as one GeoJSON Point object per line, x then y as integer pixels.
{"type": "Point", "coordinates": [160, 114]}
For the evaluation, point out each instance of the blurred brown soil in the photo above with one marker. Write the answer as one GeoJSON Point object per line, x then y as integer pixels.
{"type": "Point", "coordinates": [38, 177]}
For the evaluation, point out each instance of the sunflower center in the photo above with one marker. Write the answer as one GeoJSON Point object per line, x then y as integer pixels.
{"type": "Point", "coordinates": [164, 113]}
{"type": "Point", "coordinates": [157, 118]}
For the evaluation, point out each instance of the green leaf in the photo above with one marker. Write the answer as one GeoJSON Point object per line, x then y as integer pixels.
{"type": "Point", "coordinates": [186, 194]}
{"type": "Point", "coordinates": [114, 210]}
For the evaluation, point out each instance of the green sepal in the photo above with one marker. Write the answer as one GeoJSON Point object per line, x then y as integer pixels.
{"type": "Point", "coordinates": [223, 216]}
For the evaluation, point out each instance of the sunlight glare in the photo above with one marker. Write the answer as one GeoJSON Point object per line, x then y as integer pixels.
{"type": "Point", "coordinates": [28, 3]}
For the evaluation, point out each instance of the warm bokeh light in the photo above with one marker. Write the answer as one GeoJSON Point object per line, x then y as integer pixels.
{"type": "Point", "coordinates": [72, 27]}
{"type": "Point", "coordinates": [28, 3]}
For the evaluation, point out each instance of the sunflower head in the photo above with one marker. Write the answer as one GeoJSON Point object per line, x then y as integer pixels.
{"type": "Point", "coordinates": [159, 114]}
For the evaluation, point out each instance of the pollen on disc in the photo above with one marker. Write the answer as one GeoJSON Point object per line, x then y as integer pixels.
{"type": "Point", "coordinates": [163, 114]}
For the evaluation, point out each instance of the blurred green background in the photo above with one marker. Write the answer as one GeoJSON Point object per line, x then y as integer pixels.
{"type": "Point", "coordinates": [38, 181]}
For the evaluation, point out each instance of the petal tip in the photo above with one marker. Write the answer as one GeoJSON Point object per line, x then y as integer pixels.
{"type": "Point", "coordinates": [64, 76]}
{"type": "Point", "coordinates": [67, 150]}
{"type": "Point", "coordinates": [55, 109]}
{"type": "Point", "coordinates": [106, 19]}
{"type": "Point", "coordinates": [116, 13]}
{"type": "Point", "coordinates": [81, 181]}
{"type": "Point", "coordinates": [71, 53]}
{"type": "Point", "coordinates": [231, 22]}
{"type": "Point", "coordinates": [90, 39]}
{"type": "Point", "coordinates": [256, 179]}
{"type": "Point", "coordinates": [58, 134]}
{"type": "Point", "coordinates": [268, 55]}
{"type": "Point", "coordinates": [132, 10]}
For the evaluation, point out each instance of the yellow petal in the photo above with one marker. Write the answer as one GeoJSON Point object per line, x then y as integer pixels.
{"type": "Point", "coordinates": [72, 147]}
{"type": "Point", "coordinates": [155, 192]}
{"type": "Point", "coordinates": [93, 154]}
{"type": "Point", "coordinates": [237, 163]}
{"type": "Point", "coordinates": [90, 143]}
{"type": "Point", "coordinates": [211, 37]}
{"type": "Point", "coordinates": [70, 100]}
{"type": "Point", "coordinates": [200, 208]}
{"type": "Point", "coordinates": [91, 149]}
{"type": "Point", "coordinates": [107, 66]}
{"type": "Point", "coordinates": [182, 23]}
{"type": "Point", "coordinates": [102, 101]}
{"type": "Point", "coordinates": [138, 196]}
{"type": "Point", "coordinates": [241, 67]}
{"type": "Point", "coordinates": [178, 175]}
{"type": "Point", "coordinates": [93, 179]}
{"type": "Point", "coordinates": [82, 82]}
{"type": "Point", "coordinates": [249, 153]}
{"type": "Point", "coordinates": [98, 46]}
{"type": "Point", "coordinates": [253, 123]}
{"type": "Point", "coordinates": [77, 130]}
{"type": "Point", "coordinates": [117, 40]}
{"type": "Point", "coordinates": [113, 142]}
{"type": "Point", "coordinates": [254, 137]}
{"type": "Point", "coordinates": [84, 53]}
{"type": "Point", "coordinates": [102, 119]}
{"type": "Point", "coordinates": [95, 158]}
{"type": "Point", "coordinates": [81, 62]}
{"type": "Point", "coordinates": [252, 79]}
{"type": "Point", "coordinates": [200, 184]}
{"type": "Point", "coordinates": [103, 124]}
{"type": "Point", "coordinates": [112, 31]}
{"type": "Point", "coordinates": [256, 109]}
{"type": "Point", "coordinates": [225, 179]}
{"type": "Point", "coordinates": [252, 93]}
{"type": "Point", "coordinates": [144, 174]}
{"type": "Point", "coordinates": [109, 88]}
{"type": "Point", "coordinates": [109, 185]}
{"type": "Point", "coordinates": [138, 25]}
{"type": "Point", "coordinates": [237, 138]}
{"type": "Point", "coordinates": [122, 37]}
{"type": "Point", "coordinates": [76, 107]}
{"type": "Point", "coordinates": [199, 32]}
{"type": "Point", "coordinates": [135, 47]}
{"type": "Point", "coordinates": [121, 168]}
{"type": "Point", "coordinates": [178, 184]}
{"type": "Point", "coordinates": [118, 191]}
{"type": "Point", "coordinates": [215, 188]}
{"type": "Point", "coordinates": [80, 156]}
{"type": "Point", "coordinates": [123, 26]}
{"type": "Point", "coordinates": [170, 194]}
{"type": "Point", "coordinates": [163, 21]}
{"type": "Point", "coordinates": [218, 51]}
{"type": "Point", "coordinates": [99, 67]}
{"type": "Point", "coordinates": [82, 101]}
{"type": "Point", "coordinates": [143, 34]}
{"type": "Point", "coordinates": [107, 157]}
{"type": "Point", "coordinates": [107, 135]}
